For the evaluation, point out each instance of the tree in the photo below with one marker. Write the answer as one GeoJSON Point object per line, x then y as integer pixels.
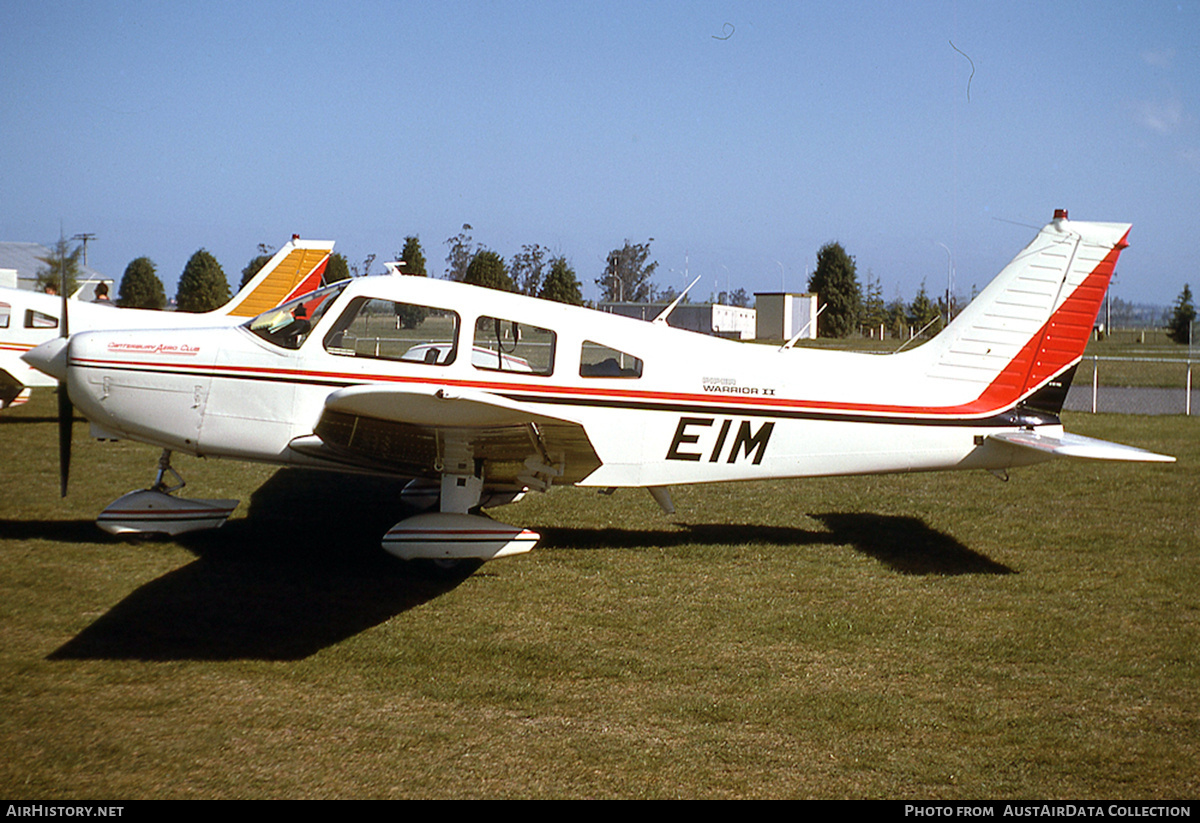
{"type": "Point", "coordinates": [561, 284]}
{"type": "Point", "coordinates": [897, 317]}
{"type": "Point", "coordinates": [526, 269]}
{"type": "Point", "coordinates": [365, 269]}
{"type": "Point", "coordinates": [875, 312]}
{"type": "Point", "coordinates": [140, 286]}
{"type": "Point", "coordinates": [412, 261]}
{"type": "Point", "coordinates": [487, 269]}
{"type": "Point", "coordinates": [1180, 327]}
{"type": "Point", "coordinates": [265, 253]}
{"type": "Point", "coordinates": [923, 311]}
{"type": "Point", "coordinates": [669, 294]}
{"type": "Point", "coordinates": [202, 286]}
{"type": "Point", "coordinates": [412, 257]}
{"type": "Point", "coordinates": [836, 284]}
{"type": "Point", "coordinates": [59, 261]}
{"type": "Point", "coordinates": [627, 274]}
{"type": "Point", "coordinates": [336, 269]}
{"type": "Point", "coordinates": [462, 252]}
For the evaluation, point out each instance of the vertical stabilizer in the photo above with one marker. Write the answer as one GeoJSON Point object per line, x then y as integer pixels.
{"type": "Point", "coordinates": [295, 269]}
{"type": "Point", "coordinates": [1027, 330]}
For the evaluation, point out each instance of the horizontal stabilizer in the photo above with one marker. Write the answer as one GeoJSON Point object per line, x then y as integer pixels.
{"type": "Point", "coordinates": [1074, 445]}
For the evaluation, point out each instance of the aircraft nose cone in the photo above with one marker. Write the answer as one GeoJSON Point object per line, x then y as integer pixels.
{"type": "Point", "coordinates": [50, 357]}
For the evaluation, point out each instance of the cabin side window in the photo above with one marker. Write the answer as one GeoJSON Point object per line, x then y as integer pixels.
{"type": "Point", "coordinates": [5, 313]}
{"type": "Point", "coordinates": [39, 320]}
{"type": "Point", "coordinates": [599, 360]}
{"type": "Point", "coordinates": [388, 330]}
{"type": "Point", "coordinates": [509, 346]}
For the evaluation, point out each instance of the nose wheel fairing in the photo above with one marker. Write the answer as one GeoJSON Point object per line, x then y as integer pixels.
{"type": "Point", "coordinates": [157, 510]}
{"type": "Point", "coordinates": [154, 512]}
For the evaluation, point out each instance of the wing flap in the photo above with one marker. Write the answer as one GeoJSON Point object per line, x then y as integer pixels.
{"type": "Point", "coordinates": [1077, 446]}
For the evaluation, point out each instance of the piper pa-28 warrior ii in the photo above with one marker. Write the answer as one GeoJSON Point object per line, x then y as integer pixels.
{"type": "Point", "coordinates": [28, 318]}
{"type": "Point", "coordinates": [481, 396]}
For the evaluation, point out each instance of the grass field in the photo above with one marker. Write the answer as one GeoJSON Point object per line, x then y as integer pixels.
{"type": "Point", "coordinates": [912, 636]}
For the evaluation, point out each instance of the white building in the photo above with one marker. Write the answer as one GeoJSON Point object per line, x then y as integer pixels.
{"type": "Point", "coordinates": [716, 319]}
{"type": "Point", "coordinates": [782, 314]}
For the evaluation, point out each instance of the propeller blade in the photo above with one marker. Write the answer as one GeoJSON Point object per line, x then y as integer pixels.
{"type": "Point", "coordinates": [66, 415]}
{"type": "Point", "coordinates": [66, 412]}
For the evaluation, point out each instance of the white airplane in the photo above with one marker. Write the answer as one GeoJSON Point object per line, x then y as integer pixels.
{"type": "Point", "coordinates": [28, 318]}
{"type": "Point", "coordinates": [481, 396]}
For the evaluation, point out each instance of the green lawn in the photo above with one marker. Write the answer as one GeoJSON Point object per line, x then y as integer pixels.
{"type": "Point", "coordinates": [911, 636]}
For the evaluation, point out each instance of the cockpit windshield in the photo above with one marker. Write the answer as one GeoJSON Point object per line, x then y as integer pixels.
{"type": "Point", "coordinates": [289, 324]}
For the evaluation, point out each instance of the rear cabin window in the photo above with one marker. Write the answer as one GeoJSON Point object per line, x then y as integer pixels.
{"type": "Point", "coordinates": [388, 330]}
{"type": "Point", "coordinates": [599, 360]}
{"type": "Point", "coordinates": [509, 346]}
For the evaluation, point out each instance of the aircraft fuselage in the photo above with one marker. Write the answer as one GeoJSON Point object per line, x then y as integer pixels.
{"type": "Point", "coordinates": [698, 409]}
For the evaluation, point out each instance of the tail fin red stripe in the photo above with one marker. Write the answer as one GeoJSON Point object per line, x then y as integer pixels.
{"type": "Point", "coordinates": [1060, 342]}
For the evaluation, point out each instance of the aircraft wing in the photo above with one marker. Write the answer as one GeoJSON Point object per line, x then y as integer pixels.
{"type": "Point", "coordinates": [1074, 445]}
{"type": "Point", "coordinates": [429, 432]}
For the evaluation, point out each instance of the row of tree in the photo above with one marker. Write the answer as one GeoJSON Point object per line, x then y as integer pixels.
{"type": "Point", "coordinates": [535, 272]}
{"type": "Point", "coordinates": [202, 285]}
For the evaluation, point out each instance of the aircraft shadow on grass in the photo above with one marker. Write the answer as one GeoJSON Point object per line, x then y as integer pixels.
{"type": "Point", "coordinates": [78, 532]}
{"type": "Point", "coordinates": [904, 544]}
{"type": "Point", "coordinates": [302, 571]}
{"type": "Point", "coordinates": [298, 575]}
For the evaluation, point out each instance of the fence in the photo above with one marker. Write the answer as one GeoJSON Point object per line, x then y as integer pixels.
{"type": "Point", "coordinates": [1135, 385]}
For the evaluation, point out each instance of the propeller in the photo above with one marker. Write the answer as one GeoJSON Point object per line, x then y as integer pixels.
{"type": "Point", "coordinates": [66, 412]}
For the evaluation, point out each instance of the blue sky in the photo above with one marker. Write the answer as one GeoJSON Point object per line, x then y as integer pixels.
{"type": "Point", "coordinates": [740, 136]}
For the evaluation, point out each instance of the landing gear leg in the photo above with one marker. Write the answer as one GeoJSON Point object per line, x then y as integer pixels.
{"type": "Point", "coordinates": [165, 468]}
{"type": "Point", "coordinates": [460, 493]}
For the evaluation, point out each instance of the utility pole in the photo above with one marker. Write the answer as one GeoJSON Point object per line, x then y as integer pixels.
{"type": "Point", "coordinates": [84, 237]}
{"type": "Point", "coordinates": [949, 279]}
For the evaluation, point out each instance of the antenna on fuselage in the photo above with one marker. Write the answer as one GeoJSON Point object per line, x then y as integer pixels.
{"type": "Point", "coordinates": [665, 313]}
{"type": "Point", "coordinates": [803, 329]}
